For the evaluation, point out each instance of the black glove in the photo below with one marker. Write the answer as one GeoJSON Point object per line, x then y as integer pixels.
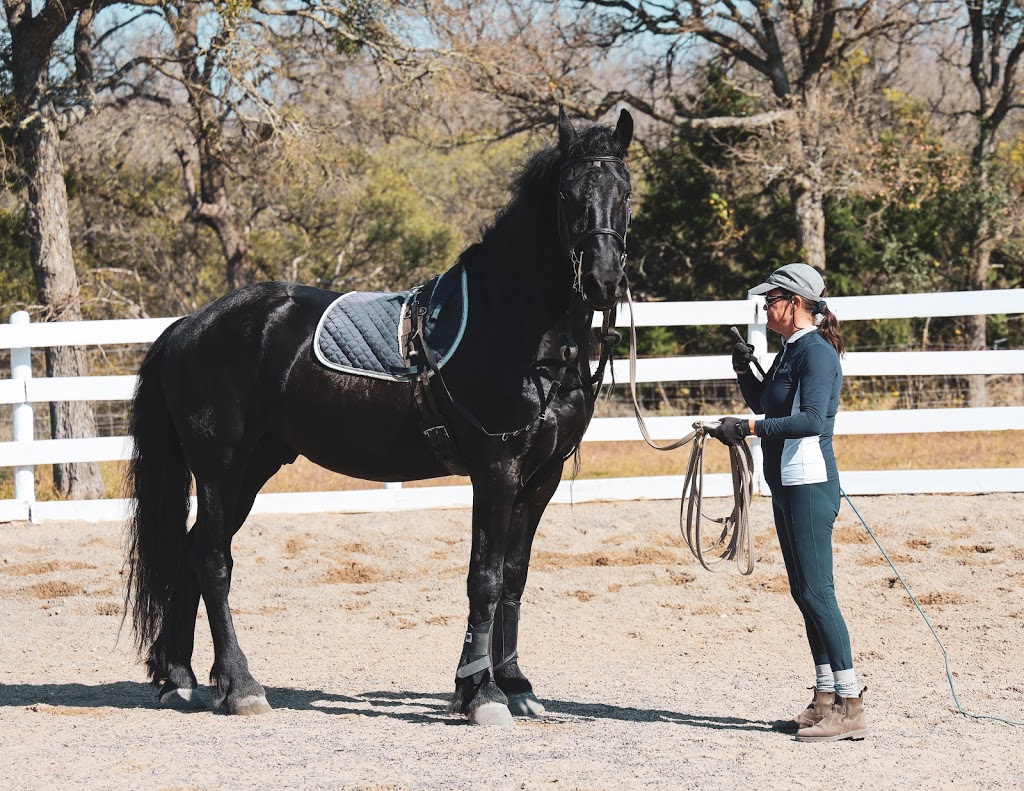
{"type": "Point", "coordinates": [731, 431]}
{"type": "Point", "coordinates": [742, 356]}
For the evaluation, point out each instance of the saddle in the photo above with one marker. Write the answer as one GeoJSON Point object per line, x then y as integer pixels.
{"type": "Point", "coordinates": [370, 333]}
{"type": "Point", "coordinates": [404, 336]}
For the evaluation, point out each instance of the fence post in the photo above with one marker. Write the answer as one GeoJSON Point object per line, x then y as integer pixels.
{"type": "Point", "coordinates": [22, 418]}
{"type": "Point", "coordinates": [757, 336]}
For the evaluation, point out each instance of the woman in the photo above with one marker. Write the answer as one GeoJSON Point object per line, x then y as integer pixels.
{"type": "Point", "coordinates": [799, 398]}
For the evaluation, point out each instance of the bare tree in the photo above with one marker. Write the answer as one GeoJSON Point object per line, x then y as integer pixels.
{"type": "Point", "coordinates": [32, 30]}
{"type": "Point", "coordinates": [504, 66]}
{"type": "Point", "coordinates": [234, 69]}
{"type": "Point", "coordinates": [792, 52]}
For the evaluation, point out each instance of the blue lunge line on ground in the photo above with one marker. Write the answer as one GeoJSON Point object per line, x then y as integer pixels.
{"type": "Point", "coordinates": [945, 654]}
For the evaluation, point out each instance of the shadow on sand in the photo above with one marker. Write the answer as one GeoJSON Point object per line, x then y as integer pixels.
{"type": "Point", "coordinates": [413, 707]}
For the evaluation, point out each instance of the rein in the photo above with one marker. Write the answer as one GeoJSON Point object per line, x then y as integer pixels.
{"type": "Point", "coordinates": [735, 542]}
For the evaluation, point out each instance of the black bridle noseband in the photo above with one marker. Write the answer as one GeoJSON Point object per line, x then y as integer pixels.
{"type": "Point", "coordinates": [572, 241]}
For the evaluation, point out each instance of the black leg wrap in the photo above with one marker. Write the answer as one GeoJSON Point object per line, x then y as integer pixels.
{"type": "Point", "coordinates": [506, 633]}
{"type": "Point", "coordinates": [476, 655]}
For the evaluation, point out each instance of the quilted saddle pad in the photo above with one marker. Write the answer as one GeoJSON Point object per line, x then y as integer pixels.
{"type": "Point", "coordinates": [361, 331]}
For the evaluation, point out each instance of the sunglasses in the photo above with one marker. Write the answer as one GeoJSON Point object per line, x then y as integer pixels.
{"type": "Point", "coordinates": [769, 301]}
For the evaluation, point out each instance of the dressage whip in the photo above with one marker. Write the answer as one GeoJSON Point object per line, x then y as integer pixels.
{"type": "Point", "coordinates": [735, 541]}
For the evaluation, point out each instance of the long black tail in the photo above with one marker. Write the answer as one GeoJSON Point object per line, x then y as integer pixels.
{"type": "Point", "coordinates": [159, 481]}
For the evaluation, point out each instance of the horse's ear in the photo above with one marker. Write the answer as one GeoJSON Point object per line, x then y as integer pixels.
{"type": "Point", "coordinates": [566, 133]}
{"type": "Point", "coordinates": [624, 129]}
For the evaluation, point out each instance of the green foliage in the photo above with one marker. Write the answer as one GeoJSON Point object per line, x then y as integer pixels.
{"type": "Point", "coordinates": [693, 239]}
{"type": "Point", "coordinates": [375, 219]}
{"type": "Point", "coordinates": [17, 286]}
{"type": "Point", "coordinates": [399, 225]}
{"type": "Point", "coordinates": [651, 342]}
{"type": "Point", "coordinates": [136, 251]}
{"type": "Point", "coordinates": [324, 212]}
{"type": "Point", "coordinates": [906, 229]}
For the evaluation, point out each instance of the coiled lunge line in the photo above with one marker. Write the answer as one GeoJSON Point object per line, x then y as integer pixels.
{"type": "Point", "coordinates": [735, 541]}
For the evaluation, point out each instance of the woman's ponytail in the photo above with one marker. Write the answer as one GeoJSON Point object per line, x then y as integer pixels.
{"type": "Point", "coordinates": [828, 327]}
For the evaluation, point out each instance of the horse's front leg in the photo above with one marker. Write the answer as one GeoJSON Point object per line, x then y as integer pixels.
{"type": "Point", "coordinates": [526, 515]}
{"type": "Point", "coordinates": [476, 694]}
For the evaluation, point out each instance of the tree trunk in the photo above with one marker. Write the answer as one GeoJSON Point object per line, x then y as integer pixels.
{"type": "Point", "coordinates": [52, 259]}
{"type": "Point", "coordinates": [211, 206]}
{"type": "Point", "coordinates": [809, 213]}
{"type": "Point", "coordinates": [233, 232]}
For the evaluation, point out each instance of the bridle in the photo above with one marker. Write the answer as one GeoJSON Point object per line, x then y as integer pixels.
{"type": "Point", "coordinates": [572, 241]}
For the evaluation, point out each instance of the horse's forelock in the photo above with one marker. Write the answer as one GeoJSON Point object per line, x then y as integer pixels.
{"type": "Point", "coordinates": [596, 140]}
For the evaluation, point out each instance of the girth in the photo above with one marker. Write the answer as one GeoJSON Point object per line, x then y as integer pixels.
{"type": "Point", "coordinates": [421, 360]}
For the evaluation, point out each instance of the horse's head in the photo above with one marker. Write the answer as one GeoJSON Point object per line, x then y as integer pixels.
{"type": "Point", "coordinates": [594, 206]}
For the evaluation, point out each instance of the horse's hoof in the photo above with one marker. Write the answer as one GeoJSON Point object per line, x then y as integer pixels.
{"type": "Point", "coordinates": [250, 704]}
{"type": "Point", "coordinates": [491, 714]}
{"type": "Point", "coordinates": [182, 699]}
{"type": "Point", "coordinates": [525, 704]}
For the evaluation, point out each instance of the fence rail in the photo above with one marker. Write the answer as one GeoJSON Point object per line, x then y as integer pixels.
{"type": "Point", "coordinates": [25, 452]}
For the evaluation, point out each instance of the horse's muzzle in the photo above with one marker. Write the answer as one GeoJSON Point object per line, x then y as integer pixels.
{"type": "Point", "coordinates": [601, 294]}
{"type": "Point", "coordinates": [602, 272]}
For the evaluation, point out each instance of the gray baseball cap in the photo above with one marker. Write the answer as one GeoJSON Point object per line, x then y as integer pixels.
{"type": "Point", "coordinates": [799, 279]}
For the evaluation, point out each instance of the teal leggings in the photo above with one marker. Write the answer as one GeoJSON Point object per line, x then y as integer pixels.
{"type": "Point", "coordinates": [804, 516]}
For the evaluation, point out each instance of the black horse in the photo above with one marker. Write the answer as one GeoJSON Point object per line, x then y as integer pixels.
{"type": "Point", "coordinates": [233, 391]}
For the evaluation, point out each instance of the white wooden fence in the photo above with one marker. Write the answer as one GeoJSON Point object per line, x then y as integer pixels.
{"type": "Point", "coordinates": [25, 452]}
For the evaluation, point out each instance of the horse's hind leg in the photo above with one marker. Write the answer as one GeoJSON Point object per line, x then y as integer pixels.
{"type": "Point", "coordinates": [172, 651]}
{"type": "Point", "coordinates": [526, 516]}
{"type": "Point", "coordinates": [170, 657]}
{"type": "Point", "coordinates": [223, 505]}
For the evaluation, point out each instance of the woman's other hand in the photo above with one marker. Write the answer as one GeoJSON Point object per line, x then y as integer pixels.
{"type": "Point", "coordinates": [742, 356]}
{"type": "Point", "coordinates": [731, 431]}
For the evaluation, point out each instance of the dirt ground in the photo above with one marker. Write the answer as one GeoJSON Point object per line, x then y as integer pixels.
{"type": "Point", "coordinates": [655, 672]}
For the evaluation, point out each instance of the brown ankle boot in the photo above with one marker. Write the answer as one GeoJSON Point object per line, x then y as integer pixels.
{"type": "Point", "coordinates": [847, 720]}
{"type": "Point", "coordinates": [819, 706]}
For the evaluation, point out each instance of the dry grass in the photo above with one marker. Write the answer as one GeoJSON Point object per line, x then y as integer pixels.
{"type": "Point", "coordinates": [53, 589]}
{"type": "Point", "coordinates": [967, 450]}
